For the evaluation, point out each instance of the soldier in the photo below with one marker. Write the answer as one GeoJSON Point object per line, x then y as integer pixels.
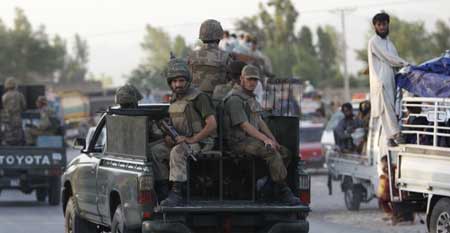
{"type": "Point", "coordinates": [48, 123]}
{"type": "Point", "coordinates": [128, 96]}
{"type": "Point", "coordinates": [13, 106]}
{"type": "Point", "coordinates": [208, 65]}
{"type": "Point", "coordinates": [192, 115]}
{"type": "Point", "coordinates": [247, 133]}
{"type": "Point", "coordinates": [234, 74]}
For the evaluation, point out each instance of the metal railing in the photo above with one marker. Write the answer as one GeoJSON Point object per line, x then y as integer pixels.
{"type": "Point", "coordinates": [433, 128]}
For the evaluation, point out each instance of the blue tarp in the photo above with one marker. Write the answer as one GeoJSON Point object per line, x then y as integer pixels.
{"type": "Point", "coordinates": [430, 79]}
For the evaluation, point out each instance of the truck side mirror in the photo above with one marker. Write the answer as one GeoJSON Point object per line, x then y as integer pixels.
{"type": "Point", "coordinates": [79, 143]}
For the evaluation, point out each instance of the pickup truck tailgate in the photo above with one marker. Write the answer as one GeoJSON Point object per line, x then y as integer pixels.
{"type": "Point", "coordinates": [31, 157]}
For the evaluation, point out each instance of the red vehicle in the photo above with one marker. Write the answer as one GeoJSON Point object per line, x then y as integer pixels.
{"type": "Point", "coordinates": [310, 146]}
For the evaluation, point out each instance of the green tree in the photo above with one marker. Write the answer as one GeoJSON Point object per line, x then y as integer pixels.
{"type": "Point", "coordinates": [29, 54]}
{"type": "Point", "coordinates": [157, 46]}
{"type": "Point", "coordinates": [75, 66]}
{"type": "Point", "coordinates": [441, 37]}
{"type": "Point", "coordinates": [327, 57]}
{"type": "Point", "coordinates": [308, 66]}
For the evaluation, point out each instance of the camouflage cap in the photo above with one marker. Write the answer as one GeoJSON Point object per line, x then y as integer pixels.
{"type": "Point", "coordinates": [250, 71]}
{"type": "Point", "coordinates": [127, 94]}
{"type": "Point", "coordinates": [10, 83]}
{"type": "Point", "coordinates": [177, 68]}
{"type": "Point", "coordinates": [210, 30]}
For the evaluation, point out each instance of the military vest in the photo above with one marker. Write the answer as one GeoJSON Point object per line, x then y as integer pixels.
{"type": "Point", "coordinates": [252, 109]}
{"type": "Point", "coordinates": [13, 106]}
{"type": "Point", "coordinates": [208, 67]}
{"type": "Point", "coordinates": [185, 118]}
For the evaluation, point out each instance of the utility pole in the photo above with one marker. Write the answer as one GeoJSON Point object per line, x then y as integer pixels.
{"type": "Point", "coordinates": [342, 12]}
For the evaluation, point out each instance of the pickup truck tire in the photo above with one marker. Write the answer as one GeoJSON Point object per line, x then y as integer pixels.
{"type": "Point", "coordinates": [54, 190]}
{"type": "Point", "coordinates": [440, 216]}
{"type": "Point", "coordinates": [41, 194]}
{"type": "Point", "coordinates": [118, 222]}
{"type": "Point", "coordinates": [353, 197]}
{"type": "Point", "coordinates": [73, 223]}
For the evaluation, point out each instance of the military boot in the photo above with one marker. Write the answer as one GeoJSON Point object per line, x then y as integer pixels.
{"type": "Point", "coordinates": [176, 195]}
{"type": "Point", "coordinates": [284, 194]}
{"type": "Point", "coordinates": [162, 189]}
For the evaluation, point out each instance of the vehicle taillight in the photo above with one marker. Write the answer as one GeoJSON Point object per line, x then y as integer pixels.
{"type": "Point", "coordinates": [145, 189]}
{"type": "Point", "coordinates": [57, 171]}
{"type": "Point", "coordinates": [305, 197]}
{"type": "Point", "coordinates": [146, 195]}
{"type": "Point", "coordinates": [304, 185]}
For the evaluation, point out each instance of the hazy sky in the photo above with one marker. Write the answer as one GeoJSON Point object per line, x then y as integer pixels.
{"type": "Point", "coordinates": [115, 28]}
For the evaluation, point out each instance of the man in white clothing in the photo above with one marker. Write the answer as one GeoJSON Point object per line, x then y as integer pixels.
{"type": "Point", "coordinates": [383, 58]}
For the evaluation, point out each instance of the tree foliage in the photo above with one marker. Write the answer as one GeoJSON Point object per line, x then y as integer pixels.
{"type": "Point", "coordinates": [157, 45]}
{"type": "Point", "coordinates": [293, 54]}
{"type": "Point", "coordinates": [30, 55]}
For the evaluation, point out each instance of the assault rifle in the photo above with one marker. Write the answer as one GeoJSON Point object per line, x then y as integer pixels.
{"type": "Point", "coordinates": [172, 132]}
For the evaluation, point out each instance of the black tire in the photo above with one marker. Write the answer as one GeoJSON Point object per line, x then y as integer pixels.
{"type": "Point", "coordinates": [353, 197]}
{"type": "Point", "coordinates": [440, 217]}
{"type": "Point", "coordinates": [54, 190]}
{"type": "Point", "coordinates": [41, 194]}
{"type": "Point", "coordinates": [73, 223]}
{"type": "Point", "coordinates": [118, 223]}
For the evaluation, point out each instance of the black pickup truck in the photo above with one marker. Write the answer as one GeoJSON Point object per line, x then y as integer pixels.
{"type": "Point", "coordinates": [110, 185]}
{"type": "Point", "coordinates": [34, 168]}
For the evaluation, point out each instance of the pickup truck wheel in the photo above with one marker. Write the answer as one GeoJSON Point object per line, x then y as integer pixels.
{"type": "Point", "coordinates": [440, 217]}
{"type": "Point", "coordinates": [54, 191]}
{"type": "Point", "coordinates": [118, 222]}
{"type": "Point", "coordinates": [41, 194]}
{"type": "Point", "coordinates": [73, 223]}
{"type": "Point", "coordinates": [353, 197]}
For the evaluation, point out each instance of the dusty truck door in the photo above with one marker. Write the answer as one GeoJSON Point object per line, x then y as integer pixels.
{"type": "Point", "coordinates": [87, 171]}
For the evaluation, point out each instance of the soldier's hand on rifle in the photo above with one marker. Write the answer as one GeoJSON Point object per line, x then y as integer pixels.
{"type": "Point", "coordinates": [169, 142]}
{"type": "Point", "coordinates": [189, 140]}
{"type": "Point", "coordinates": [269, 143]}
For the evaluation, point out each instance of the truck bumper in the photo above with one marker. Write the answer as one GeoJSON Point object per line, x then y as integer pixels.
{"type": "Point", "coordinates": [177, 227]}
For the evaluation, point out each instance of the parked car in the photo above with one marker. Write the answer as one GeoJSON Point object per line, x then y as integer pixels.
{"type": "Point", "coordinates": [310, 145]}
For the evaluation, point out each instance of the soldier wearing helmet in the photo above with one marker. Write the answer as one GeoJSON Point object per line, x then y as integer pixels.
{"type": "Point", "coordinates": [193, 116]}
{"type": "Point", "coordinates": [233, 76]}
{"type": "Point", "coordinates": [208, 65]}
{"type": "Point", "coordinates": [13, 105]}
{"type": "Point", "coordinates": [128, 96]}
{"type": "Point", "coordinates": [48, 124]}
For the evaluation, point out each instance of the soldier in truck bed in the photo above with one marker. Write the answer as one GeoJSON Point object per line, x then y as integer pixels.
{"type": "Point", "coordinates": [48, 123]}
{"type": "Point", "coordinates": [208, 65]}
{"type": "Point", "coordinates": [193, 116]}
{"type": "Point", "coordinates": [13, 106]}
{"type": "Point", "coordinates": [247, 133]}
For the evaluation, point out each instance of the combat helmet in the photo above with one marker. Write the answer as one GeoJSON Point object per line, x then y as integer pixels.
{"type": "Point", "coordinates": [210, 30]}
{"type": "Point", "coordinates": [127, 95]}
{"type": "Point", "coordinates": [177, 68]}
{"type": "Point", "coordinates": [10, 83]}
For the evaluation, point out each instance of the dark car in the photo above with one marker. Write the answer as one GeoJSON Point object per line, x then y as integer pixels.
{"type": "Point", "coordinates": [110, 185]}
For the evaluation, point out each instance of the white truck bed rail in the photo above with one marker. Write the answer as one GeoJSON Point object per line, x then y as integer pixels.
{"type": "Point", "coordinates": [437, 113]}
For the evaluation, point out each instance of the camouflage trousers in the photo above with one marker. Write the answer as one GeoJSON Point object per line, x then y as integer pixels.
{"type": "Point", "coordinates": [164, 158]}
{"type": "Point", "coordinates": [277, 161]}
{"type": "Point", "coordinates": [12, 133]}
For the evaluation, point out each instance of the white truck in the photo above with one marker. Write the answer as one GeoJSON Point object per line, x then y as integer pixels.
{"type": "Point", "coordinates": [422, 176]}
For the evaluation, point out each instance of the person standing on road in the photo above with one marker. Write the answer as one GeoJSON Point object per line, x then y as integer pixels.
{"type": "Point", "coordinates": [208, 64]}
{"type": "Point", "coordinates": [383, 58]}
{"type": "Point", "coordinates": [13, 105]}
{"type": "Point", "coordinates": [247, 133]}
{"type": "Point", "coordinates": [193, 116]}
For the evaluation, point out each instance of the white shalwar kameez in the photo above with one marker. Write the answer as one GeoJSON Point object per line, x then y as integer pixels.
{"type": "Point", "coordinates": [383, 58]}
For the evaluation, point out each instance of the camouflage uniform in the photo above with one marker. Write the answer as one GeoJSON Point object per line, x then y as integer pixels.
{"type": "Point", "coordinates": [241, 107]}
{"type": "Point", "coordinates": [208, 65]}
{"type": "Point", "coordinates": [187, 114]}
{"type": "Point", "coordinates": [47, 124]}
{"type": "Point", "coordinates": [13, 106]}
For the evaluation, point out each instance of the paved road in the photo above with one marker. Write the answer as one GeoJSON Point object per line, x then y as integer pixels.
{"type": "Point", "coordinates": [20, 213]}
